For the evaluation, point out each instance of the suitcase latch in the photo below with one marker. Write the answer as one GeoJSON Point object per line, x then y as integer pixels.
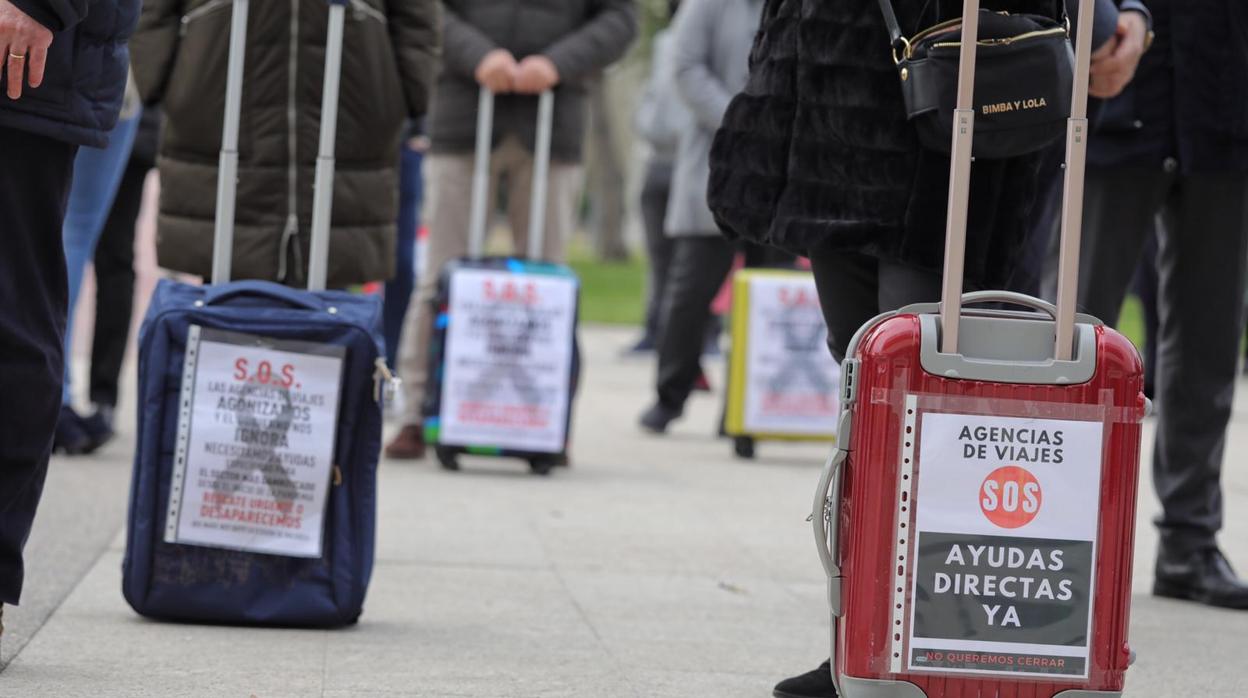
{"type": "Point", "coordinates": [849, 381]}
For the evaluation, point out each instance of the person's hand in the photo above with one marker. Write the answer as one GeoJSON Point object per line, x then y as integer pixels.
{"type": "Point", "coordinates": [1106, 49]}
{"type": "Point", "coordinates": [1114, 64]}
{"type": "Point", "coordinates": [23, 46]}
{"type": "Point", "coordinates": [536, 74]}
{"type": "Point", "coordinates": [496, 72]}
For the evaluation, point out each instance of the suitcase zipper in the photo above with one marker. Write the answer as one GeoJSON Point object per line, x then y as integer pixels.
{"type": "Point", "coordinates": [362, 8]}
{"type": "Point", "coordinates": [385, 383]}
{"type": "Point", "coordinates": [291, 233]}
{"type": "Point", "coordinates": [199, 12]}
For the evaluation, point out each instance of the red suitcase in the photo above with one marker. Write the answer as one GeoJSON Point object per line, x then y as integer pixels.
{"type": "Point", "coordinates": [977, 521]}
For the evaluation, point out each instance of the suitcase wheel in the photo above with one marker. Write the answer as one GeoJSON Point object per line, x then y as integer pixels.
{"type": "Point", "coordinates": [541, 465]}
{"type": "Point", "coordinates": [743, 446]}
{"type": "Point", "coordinates": [447, 457]}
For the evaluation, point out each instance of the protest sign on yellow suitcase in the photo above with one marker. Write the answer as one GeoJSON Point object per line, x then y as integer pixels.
{"type": "Point", "coordinates": [782, 382]}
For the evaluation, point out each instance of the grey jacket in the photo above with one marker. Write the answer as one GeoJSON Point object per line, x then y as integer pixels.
{"type": "Point", "coordinates": [711, 42]}
{"type": "Point", "coordinates": [581, 37]}
{"type": "Point", "coordinates": [661, 115]}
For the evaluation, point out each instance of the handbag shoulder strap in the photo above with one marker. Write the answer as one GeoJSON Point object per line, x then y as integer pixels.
{"type": "Point", "coordinates": [890, 20]}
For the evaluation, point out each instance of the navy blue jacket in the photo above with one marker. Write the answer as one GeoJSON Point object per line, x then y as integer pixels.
{"type": "Point", "coordinates": [1187, 109]}
{"type": "Point", "coordinates": [85, 78]}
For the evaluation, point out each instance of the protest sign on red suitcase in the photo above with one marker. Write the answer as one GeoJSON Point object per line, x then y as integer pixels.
{"type": "Point", "coordinates": [977, 521]}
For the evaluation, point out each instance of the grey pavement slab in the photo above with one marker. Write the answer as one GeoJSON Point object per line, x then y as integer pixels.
{"type": "Point", "coordinates": [651, 567]}
{"type": "Point", "coordinates": [83, 507]}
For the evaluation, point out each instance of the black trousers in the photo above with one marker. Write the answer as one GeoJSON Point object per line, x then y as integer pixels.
{"type": "Point", "coordinates": [114, 287]}
{"type": "Point", "coordinates": [34, 186]}
{"type": "Point", "coordinates": [654, 194]}
{"type": "Point", "coordinates": [699, 266]}
{"type": "Point", "coordinates": [1145, 284]}
{"type": "Point", "coordinates": [854, 287]}
{"type": "Point", "coordinates": [1203, 240]}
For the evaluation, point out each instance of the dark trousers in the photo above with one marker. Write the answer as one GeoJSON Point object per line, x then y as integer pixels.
{"type": "Point", "coordinates": [34, 187]}
{"type": "Point", "coordinates": [1145, 286]}
{"type": "Point", "coordinates": [1036, 273]}
{"type": "Point", "coordinates": [1203, 240]}
{"type": "Point", "coordinates": [114, 281]}
{"type": "Point", "coordinates": [398, 294]}
{"type": "Point", "coordinates": [699, 266]}
{"type": "Point", "coordinates": [654, 193]}
{"type": "Point", "coordinates": [854, 287]}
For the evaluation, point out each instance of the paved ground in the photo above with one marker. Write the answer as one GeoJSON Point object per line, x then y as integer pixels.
{"type": "Point", "coordinates": [650, 568]}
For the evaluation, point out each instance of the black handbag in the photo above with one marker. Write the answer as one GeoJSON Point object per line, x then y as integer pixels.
{"type": "Point", "coordinates": [1024, 75]}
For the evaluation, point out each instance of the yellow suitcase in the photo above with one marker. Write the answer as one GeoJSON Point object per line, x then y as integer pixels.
{"type": "Point", "coordinates": [782, 381]}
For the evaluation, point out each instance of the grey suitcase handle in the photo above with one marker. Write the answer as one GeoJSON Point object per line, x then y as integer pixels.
{"type": "Point", "coordinates": [481, 174]}
{"type": "Point", "coordinates": [960, 185]}
{"type": "Point", "coordinates": [227, 175]}
{"type": "Point", "coordinates": [826, 512]}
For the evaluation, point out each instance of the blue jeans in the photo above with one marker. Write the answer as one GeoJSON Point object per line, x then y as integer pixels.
{"type": "Point", "coordinates": [97, 172]}
{"type": "Point", "coordinates": [398, 292]}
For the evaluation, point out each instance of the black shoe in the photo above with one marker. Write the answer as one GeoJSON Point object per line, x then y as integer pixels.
{"type": "Point", "coordinates": [1203, 576]}
{"type": "Point", "coordinates": [656, 419]}
{"type": "Point", "coordinates": [71, 437]}
{"type": "Point", "coordinates": [99, 426]}
{"type": "Point", "coordinates": [645, 345]}
{"type": "Point", "coordinates": [812, 684]}
{"type": "Point", "coordinates": [710, 341]}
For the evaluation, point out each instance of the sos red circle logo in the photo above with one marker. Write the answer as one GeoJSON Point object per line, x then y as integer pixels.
{"type": "Point", "coordinates": [1010, 497]}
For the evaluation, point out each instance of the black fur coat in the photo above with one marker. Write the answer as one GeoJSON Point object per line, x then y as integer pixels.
{"type": "Point", "coordinates": [816, 152]}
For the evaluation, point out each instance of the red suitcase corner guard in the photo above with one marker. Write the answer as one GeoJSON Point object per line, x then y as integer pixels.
{"type": "Point", "coordinates": [1006, 571]}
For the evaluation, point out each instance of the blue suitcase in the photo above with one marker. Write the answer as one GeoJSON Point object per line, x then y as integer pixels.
{"type": "Point", "coordinates": [242, 552]}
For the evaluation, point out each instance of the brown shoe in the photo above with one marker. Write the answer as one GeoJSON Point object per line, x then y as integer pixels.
{"type": "Point", "coordinates": [408, 445]}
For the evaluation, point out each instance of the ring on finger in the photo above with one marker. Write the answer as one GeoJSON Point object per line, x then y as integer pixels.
{"type": "Point", "coordinates": [17, 57]}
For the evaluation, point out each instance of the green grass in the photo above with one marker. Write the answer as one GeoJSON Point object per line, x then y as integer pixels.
{"type": "Point", "coordinates": [612, 293]}
{"type": "Point", "coordinates": [1131, 321]}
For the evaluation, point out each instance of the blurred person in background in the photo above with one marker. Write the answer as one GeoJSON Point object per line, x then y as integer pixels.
{"type": "Point", "coordinates": [97, 173]}
{"type": "Point", "coordinates": [659, 120]}
{"type": "Point", "coordinates": [710, 45]}
{"type": "Point", "coordinates": [114, 282]}
{"type": "Point", "coordinates": [517, 49]}
{"type": "Point", "coordinates": [389, 59]}
{"type": "Point", "coordinates": [1175, 145]}
{"type": "Point", "coordinates": [836, 172]}
{"type": "Point", "coordinates": [63, 71]}
{"type": "Point", "coordinates": [398, 293]}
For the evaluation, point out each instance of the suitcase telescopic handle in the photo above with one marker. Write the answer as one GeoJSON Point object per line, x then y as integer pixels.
{"type": "Point", "coordinates": [323, 197]}
{"type": "Point", "coordinates": [479, 215]}
{"type": "Point", "coordinates": [227, 169]}
{"type": "Point", "coordinates": [227, 174]}
{"type": "Point", "coordinates": [960, 185]}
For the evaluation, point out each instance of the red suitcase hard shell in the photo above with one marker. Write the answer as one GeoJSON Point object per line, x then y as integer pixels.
{"type": "Point", "coordinates": [891, 395]}
{"type": "Point", "coordinates": [977, 521]}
